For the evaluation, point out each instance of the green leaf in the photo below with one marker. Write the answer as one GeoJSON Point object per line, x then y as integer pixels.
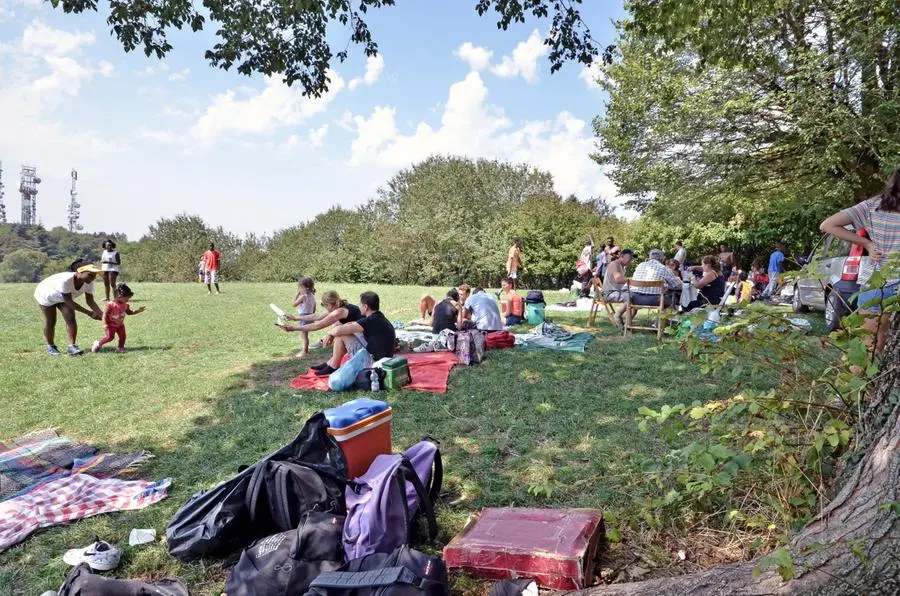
{"type": "Point", "coordinates": [706, 461]}
{"type": "Point", "coordinates": [613, 535]}
{"type": "Point", "coordinates": [697, 413]}
{"type": "Point", "coordinates": [857, 354]}
{"type": "Point", "coordinates": [834, 440]}
{"type": "Point", "coordinates": [722, 479]}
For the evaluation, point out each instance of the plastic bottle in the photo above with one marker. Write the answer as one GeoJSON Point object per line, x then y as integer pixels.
{"type": "Point", "coordinates": [373, 377]}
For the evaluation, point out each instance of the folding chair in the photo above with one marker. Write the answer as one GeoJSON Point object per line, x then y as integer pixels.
{"type": "Point", "coordinates": [659, 308]}
{"type": "Point", "coordinates": [599, 301]}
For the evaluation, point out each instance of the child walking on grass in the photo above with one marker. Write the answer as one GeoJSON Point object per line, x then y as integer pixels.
{"type": "Point", "coordinates": [305, 302]}
{"type": "Point", "coordinates": [114, 318]}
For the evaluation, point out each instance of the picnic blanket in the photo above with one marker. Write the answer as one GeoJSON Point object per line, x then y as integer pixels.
{"type": "Point", "coordinates": [44, 455]}
{"type": "Point", "coordinates": [70, 498]}
{"type": "Point", "coordinates": [429, 372]}
{"type": "Point", "coordinates": [533, 341]}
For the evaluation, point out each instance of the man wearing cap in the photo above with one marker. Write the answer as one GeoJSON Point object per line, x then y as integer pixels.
{"type": "Point", "coordinates": [614, 281]}
{"type": "Point", "coordinates": [654, 269]}
{"type": "Point", "coordinates": [58, 293]}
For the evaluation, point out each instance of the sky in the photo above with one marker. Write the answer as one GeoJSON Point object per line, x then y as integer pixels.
{"type": "Point", "coordinates": [153, 138]}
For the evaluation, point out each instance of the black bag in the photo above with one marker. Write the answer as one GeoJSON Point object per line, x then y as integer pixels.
{"type": "Point", "coordinates": [286, 564]}
{"type": "Point", "coordinates": [364, 379]}
{"type": "Point", "coordinates": [81, 581]}
{"type": "Point", "coordinates": [534, 297]}
{"type": "Point", "coordinates": [404, 572]}
{"type": "Point", "coordinates": [281, 492]}
{"type": "Point", "coordinates": [218, 522]}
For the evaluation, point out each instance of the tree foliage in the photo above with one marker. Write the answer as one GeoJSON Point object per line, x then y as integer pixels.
{"type": "Point", "coordinates": [763, 116]}
{"type": "Point", "coordinates": [288, 37]}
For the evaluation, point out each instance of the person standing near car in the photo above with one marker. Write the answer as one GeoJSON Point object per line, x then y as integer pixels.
{"type": "Point", "coordinates": [880, 217]}
{"type": "Point", "coordinates": [776, 266]}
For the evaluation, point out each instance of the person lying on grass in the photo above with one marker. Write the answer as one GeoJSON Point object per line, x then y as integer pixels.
{"type": "Point", "coordinates": [57, 293]}
{"type": "Point", "coordinates": [372, 333]}
{"type": "Point", "coordinates": [337, 312]}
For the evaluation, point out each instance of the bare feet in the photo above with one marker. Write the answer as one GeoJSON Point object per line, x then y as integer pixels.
{"type": "Point", "coordinates": [302, 353]}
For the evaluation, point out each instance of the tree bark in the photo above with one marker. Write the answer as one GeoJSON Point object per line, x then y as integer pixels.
{"type": "Point", "coordinates": [852, 546]}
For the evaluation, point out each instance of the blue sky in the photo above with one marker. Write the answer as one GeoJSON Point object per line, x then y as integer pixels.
{"type": "Point", "coordinates": [151, 139]}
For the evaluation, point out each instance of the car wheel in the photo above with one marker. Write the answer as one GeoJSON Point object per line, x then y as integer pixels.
{"type": "Point", "coordinates": [835, 309]}
{"type": "Point", "coordinates": [796, 303]}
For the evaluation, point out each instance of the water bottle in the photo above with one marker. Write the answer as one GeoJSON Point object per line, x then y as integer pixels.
{"type": "Point", "coordinates": [373, 377]}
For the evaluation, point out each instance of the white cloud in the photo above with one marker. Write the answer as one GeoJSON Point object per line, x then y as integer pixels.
{"type": "Point", "coordinates": [476, 57]}
{"type": "Point", "coordinates": [181, 75]}
{"type": "Point", "coordinates": [524, 59]}
{"type": "Point", "coordinates": [105, 69]}
{"type": "Point", "coordinates": [152, 70]}
{"type": "Point", "coordinates": [172, 112]}
{"type": "Point", "coordinates": [317, 136]}
{"type": "Point", "coordinates": [472, 127]}
{"type": "Point", "coordinates": [262, 111]}
{"type": "Point", "coordinates": [591, 75]}
{"type": "Point", "coordinates": [374, 67]}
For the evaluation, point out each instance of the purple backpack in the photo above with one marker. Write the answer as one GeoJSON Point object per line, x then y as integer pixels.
{"type": "Point", "coordinates": [383, 502]}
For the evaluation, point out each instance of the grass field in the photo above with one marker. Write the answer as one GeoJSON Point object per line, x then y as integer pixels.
{"type": "Point", "coordinates": [205, 388]}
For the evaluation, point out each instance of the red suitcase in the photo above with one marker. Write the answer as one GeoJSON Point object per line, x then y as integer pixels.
{"type": "Point", "coordinates": [556, 548]}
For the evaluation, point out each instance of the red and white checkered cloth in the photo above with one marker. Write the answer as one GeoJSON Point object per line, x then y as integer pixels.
{"type": "Point", "coordinates": [70, 498]}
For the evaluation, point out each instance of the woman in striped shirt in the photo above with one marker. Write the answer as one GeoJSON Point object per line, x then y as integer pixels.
{"type": "Point", "coordinates": [879, 216]}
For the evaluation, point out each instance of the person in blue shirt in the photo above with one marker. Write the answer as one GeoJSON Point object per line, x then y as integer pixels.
{"type": "Point", "coordinates": [776, 267]}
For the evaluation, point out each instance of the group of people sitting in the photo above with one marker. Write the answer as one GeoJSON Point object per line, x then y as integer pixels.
{"type": "Point", "coordinates": [463, 308]}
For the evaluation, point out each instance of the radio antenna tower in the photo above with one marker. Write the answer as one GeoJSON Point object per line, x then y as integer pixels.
{"type": "Point", "coordinates": [28, 182]}
{"type": "Point", "coordinates": [2, 204]}
{"type": "Point", "coordinates": [74, 206]}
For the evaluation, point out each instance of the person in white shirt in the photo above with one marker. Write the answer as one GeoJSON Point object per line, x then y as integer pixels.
{"type": "Point", "coordinates": [109, 263]}
{"type": "Point", "coordinates": [483, 311]}
{"type": "Point", "coordinates": [680, 253]}
{"type": "Point", "coordinates": [58, 293]}
{"type": "Point", "coordinates": [654, 269]}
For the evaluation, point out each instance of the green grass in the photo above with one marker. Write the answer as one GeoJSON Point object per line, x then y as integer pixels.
{"type": "Point", "coordinates": [205, 388]}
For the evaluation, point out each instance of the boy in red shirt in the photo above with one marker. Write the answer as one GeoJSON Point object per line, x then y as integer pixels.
{"type": "Point", "coordinates": [114, 318]}
{"type": "Point", "coordinates": [211, 268]}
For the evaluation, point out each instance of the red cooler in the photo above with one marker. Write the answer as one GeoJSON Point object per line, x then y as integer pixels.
{"type": "Point", "coordinates": [362, 428]}
{"type": "Point", "coordinates": [555, 548]}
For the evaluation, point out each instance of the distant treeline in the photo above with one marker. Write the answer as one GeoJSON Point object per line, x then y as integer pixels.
{"type": "Point", "coordinates": [446, 220]}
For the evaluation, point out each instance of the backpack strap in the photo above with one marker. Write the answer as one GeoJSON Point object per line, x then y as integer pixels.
{"type": "Point", "coordinates": [257, 481]}
{"type": "Point", "coordinates": [437, 476]}
{"type": "Point", "coordinates": [279, 505]}
{"type": "Point", "coordinates": [409, 475]}
{"type": "Point", "coordinates": [376, 578]}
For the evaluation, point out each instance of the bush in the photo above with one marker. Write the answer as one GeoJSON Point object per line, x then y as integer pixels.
{"type": "Point", "coordinates": [23, 265]}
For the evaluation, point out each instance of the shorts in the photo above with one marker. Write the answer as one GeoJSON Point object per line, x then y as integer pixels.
{"type": "Point", "coordinates": [615, 296]}
{"type": "Point", "coordinates": [513, 275]}
{"type": "Point", "coordinates": [354, 343]}
{"type": "Point", "coordinates": [875, 296]}
{"type": "Point", "coordinates": [211, 277]}
{"type": "Point", "coordinates": [513, 320]}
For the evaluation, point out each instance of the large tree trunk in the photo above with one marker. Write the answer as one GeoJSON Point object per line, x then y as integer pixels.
{"type": "Point", "coordinates": [853, 546]}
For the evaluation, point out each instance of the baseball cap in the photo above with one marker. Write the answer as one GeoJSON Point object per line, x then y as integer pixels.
{"type": "Point", "coordinates": [90, 268]}
{"type": "Point", "coordinates": [657, 255]}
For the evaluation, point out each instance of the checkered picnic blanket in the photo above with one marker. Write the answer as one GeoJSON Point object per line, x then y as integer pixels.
{"type": "Point", "coordinates": [70, 498]}
{"type": "Point", "coordinates": [44, 455]}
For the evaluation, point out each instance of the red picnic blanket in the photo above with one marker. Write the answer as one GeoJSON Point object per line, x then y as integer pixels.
{"type": "Point", "coordinates": [429, 372]}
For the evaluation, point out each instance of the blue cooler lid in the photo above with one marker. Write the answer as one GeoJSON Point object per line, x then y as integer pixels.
{"type": "Point", "coordinates": [353, 411]}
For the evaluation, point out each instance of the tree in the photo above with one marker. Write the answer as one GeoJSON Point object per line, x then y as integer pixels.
{"type": "Point", "coordinates": [288, 37]}
{"type": "Point", "coordinates": [23, 265]}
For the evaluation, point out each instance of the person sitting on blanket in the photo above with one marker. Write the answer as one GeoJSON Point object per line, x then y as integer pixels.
{"type": "Point", "coordinates": [481, 312]}
{"type": "Point", "coordinates": [337, 312]}
{"type": "Point", "coordinates": [512, 306]}
{"type": "Point", "coordinates": [373, 332]}
{"type": "Point", "coordinates": [614, 281]}
{"type": "Point", "coordinates": [427, 304]}
{"type": "Point", "coordinates": [446, 312]}
{"type": "Point", "coordinates": [654, 269]}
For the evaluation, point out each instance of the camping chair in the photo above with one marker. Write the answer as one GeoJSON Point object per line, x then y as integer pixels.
{"type": "Point", "coordinates": [598, 302]}
{"type": "Point", "coordinates": [659, 308]}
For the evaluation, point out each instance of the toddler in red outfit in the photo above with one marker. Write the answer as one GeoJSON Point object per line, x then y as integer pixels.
{"type": "Point", "coordinates": [114, 318]}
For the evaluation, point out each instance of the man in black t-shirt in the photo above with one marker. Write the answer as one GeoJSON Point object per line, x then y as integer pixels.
{"type": "Point", "coordinates": [446, 312]}
{"type": "Point", "coordinates": [374, 329]}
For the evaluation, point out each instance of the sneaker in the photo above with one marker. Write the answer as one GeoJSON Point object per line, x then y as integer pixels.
{"type": "Point", "coordinates": [121, 350]}
{"type": "Point", "coordinates": [74, 350]}
{"type": "Point", "coordinates": [53, 350]}
{"type": "Point", "coordinates": [324, 372]}
{"type": "Point", "coordinates": [96, 347]}
{"type": "Point", "coordinates": [319, 366]}
{"type": "Point", "coordinates": [100, 556]}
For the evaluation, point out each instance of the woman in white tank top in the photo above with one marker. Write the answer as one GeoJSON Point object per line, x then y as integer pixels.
{"type": "Point", "coordinates": [110, 263]}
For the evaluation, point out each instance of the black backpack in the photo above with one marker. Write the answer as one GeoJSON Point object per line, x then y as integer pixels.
{"type": "Point", "coordinates": [81, 581]}
{"type": "Point", "coordinates": [218, 522]}
{"type": "Point", "coordinates": [285, 564]}
{"type": "Point", "coordinates": [534, 297]}
{"type": "Point", "coordinates": [404, 572]}
{"type": "Point", "coordinates": [281, 492]}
